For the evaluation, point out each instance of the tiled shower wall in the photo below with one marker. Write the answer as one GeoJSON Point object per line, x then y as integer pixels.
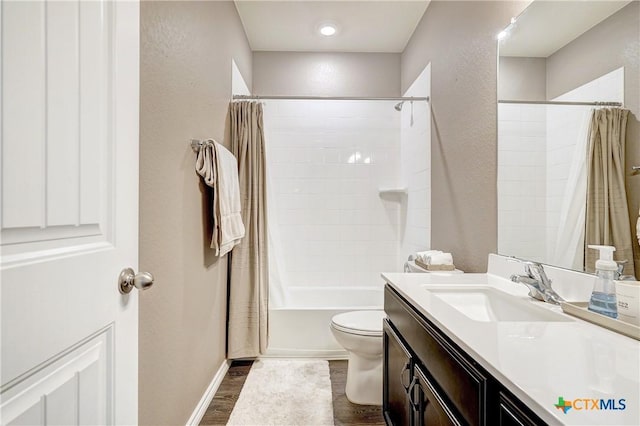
{"type": "Point", "coordinates": [536, 148]}
{"type": "Point", "coordinates": [522, 180]}
{"type": "Point", "coordinates": [326, 161]}
{"type": "Point", "coordinates": [415, 158]}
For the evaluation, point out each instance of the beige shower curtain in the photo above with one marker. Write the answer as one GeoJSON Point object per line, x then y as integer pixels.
{"type": "Point", "coordinates": [248, 273]}
{"type": "Point", "coordinates": [607, 220]}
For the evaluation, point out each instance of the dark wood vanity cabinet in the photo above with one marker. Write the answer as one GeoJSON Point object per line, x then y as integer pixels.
{"type": "Point", "coordinates": [396, 379]}
{"type": "Point", "coordinates": [513, 413]}
{"type": "Point", "coordinates": [410, 396]}
{"type": "Point", "coordinates": [428, 405]}
{"type": "Point", "coordinates": [428, 380]}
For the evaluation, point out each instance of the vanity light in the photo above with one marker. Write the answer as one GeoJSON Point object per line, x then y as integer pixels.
{"type": "Point", "coordinates": [327, 30]}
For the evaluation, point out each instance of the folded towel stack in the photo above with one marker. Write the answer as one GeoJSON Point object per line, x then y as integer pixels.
{"type": "Point", "coordinates": [435, 260]}
{"type": "Point", "coordinates": [423, 255]}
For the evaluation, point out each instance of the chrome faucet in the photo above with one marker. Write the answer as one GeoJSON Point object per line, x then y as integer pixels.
{"type": "Point", "coordinates": [538, 283]}
{"type": "Point", "coordinates": [619, 274]}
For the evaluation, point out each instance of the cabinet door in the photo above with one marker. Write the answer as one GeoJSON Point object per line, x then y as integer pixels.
{"type": "Point", "coordinates": [513, 413]}
{"type": "Point", "coordinates": [430, 409]}
{"type": "Point", "coordinates": [396, 379]}
{"type": "Point", "coordinates": [464, 385]}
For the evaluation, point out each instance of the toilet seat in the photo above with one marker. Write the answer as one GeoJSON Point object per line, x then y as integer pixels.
{"type": "Point", "coordinates": [362, 323]}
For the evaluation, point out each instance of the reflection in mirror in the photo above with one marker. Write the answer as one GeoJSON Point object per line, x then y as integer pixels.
{"type": "Point", "coordinates": [568, 91]}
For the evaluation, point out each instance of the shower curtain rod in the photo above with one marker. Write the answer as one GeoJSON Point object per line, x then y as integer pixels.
{"type": "Point", "coordinates": [328, 98]}
{"type": "Point", "coordinates": [617, 104]}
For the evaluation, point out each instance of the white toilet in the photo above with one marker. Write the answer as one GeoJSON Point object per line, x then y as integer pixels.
{"type": "Point", "coordinates": [360, 333]}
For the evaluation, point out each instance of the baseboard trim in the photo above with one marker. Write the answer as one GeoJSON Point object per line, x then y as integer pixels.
{"type": "Point", "coordinates": [329, 354]}
{"type": "Point", "coordinates": [208, 395]}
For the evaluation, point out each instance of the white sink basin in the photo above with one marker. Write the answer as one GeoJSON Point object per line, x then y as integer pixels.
{"type": "Point", "coordinates": [489, 305]}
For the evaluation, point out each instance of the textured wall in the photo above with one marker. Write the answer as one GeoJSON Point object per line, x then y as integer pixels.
{"type": "Point", "coordinates": [459, 39]}
{"type": "Point", "coordinates": [610, 45]}
{"type": "Point", "coordinates": [523, 79]}
{"type": "Point", "coordinates": [326, 74]}
{"type": "Point", "coordinates": [186, 53]}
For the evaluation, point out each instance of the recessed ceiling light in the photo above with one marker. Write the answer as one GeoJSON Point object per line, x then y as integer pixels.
{"type": "Point", "coordinates": [327, 30]}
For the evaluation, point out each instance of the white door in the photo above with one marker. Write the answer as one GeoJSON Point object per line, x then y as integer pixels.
{"type": "Point", "coordinates": [69, 212]}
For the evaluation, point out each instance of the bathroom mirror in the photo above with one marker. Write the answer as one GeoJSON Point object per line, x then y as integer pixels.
{"type": "Point", "coordinates": [557, 62]}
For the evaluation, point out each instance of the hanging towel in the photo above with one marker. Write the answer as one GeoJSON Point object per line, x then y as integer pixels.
{"type": "Point", "coordinates": [230, 207]}
{"type": "Point", "coordinates": [219, 169]}
{"type": "Point", "coordinates": [205, 168]}
{"type": "Point", "coordinates": [638, 227]}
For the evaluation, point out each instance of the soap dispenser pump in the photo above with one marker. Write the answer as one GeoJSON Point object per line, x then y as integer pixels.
{"type": "Point", "coordinates": [603, 297]}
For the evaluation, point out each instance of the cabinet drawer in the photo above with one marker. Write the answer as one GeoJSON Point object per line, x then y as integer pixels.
{"type": "Point", "coordinates": [462, 383]}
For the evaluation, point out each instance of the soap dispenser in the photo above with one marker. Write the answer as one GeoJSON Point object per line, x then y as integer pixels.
{"type": "Point", "coordinates": [603, 297]}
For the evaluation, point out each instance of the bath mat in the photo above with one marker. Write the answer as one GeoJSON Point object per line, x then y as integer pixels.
{"type": "Point", "coordinates": [285, 392]}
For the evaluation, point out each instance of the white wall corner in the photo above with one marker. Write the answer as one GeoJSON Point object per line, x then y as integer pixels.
{"type": "Point", "coordinates": [208, 395]}
{"type": "Point", "coordinates": [238, 84]}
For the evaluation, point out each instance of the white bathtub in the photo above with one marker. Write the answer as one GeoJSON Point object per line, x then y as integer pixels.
{"type": "Point", "coordinates": [302, 328]}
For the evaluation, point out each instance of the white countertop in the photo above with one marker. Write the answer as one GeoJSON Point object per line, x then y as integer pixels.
{"type": "Point", "coordinates": [537, 361]}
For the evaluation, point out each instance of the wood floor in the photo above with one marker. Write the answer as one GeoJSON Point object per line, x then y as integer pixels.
{"type": "Point", "coordinates": [225, 398]}
{"type": "Point", "coordinates": [344, 412]}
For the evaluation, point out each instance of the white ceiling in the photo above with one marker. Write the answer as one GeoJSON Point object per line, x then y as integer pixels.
{"type": "Point", "coordinates": [363, 26]}
{"type": "Point", "coordinates": [546, 26]}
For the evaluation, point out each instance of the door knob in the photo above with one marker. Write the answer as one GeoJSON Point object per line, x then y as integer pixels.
{"type": "Point", "coordinates": [128, 280]}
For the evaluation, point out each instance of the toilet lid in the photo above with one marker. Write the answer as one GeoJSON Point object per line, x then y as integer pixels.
{"type": "Point", "coordinates": [367, 323]}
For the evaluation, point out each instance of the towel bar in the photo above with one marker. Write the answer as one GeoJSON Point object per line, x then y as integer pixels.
{"type": "Point", "coordinates": [196, 144]}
